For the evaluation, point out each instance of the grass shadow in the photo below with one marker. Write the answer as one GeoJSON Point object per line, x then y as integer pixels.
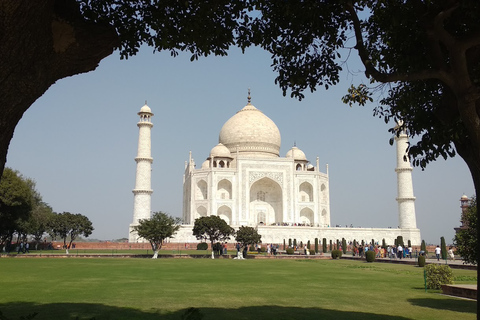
{"type": "Point", "coordinates": [457, 305]}
{"type": "Point", "coordinates": [90, 311]}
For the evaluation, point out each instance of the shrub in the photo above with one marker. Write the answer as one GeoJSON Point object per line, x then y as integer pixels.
{"type": "Point", "coordinates": [284, 246]}
{"type": "Point", "coordinates": [421, 261]}
{"type": "Point", "coordinates": [316, 245]}
{"type": "Point", "coordinates": [308, 245]}
{"type": "Point", "coordinates": [423, 247]}
{"type": "Point", "coordinates": [252, 248]}
{"type": "Point", "coordinates": [290, 251]}
{"type": "Point", "coordinates": [400, 241]}
{"type": "Point", "coordinates": [370, 255]}
{"type": "Point", "coordinates": [331, 245]}
{"type": "Point", "coordinates": [324, 245]}
{"type": "Point", "coordinates": [336, 254]}
{"type": "Point", "coordinates": [202, 246]}
{"type": "Point", "coordinates": [438, 275]}
{"type": "Point", "coordinates": [294, 242]}
{"type": "Point", "coordinates": [344, 245]}
{"type": "Point", "coordinates": [384, 244]}
{"type": "Point", "coordinates": [443, 246]}
{"type": "Point", "coordinates": [263, 249]}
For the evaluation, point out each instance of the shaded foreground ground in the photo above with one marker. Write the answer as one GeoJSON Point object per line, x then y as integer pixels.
{"type": "Point", "coordinates": [223, 289]}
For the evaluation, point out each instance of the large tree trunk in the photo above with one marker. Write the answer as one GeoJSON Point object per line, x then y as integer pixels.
{"type": "Point", "coordinates": [471, 155]}
{"type": "Point", "coordinates": [42, 42]}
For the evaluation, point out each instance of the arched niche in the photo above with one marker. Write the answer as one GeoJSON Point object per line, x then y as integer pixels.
{"type": "Point", "coordinates": [201, 192]}
{"type": "Point", "coordinates": [224, 189]}
{"type": "Point", "coordinates": [305, 192]}
{"type": "Point", "coordinates": [225, 213]}
{"type": "Point", "coordinates": [266, 202]}
{"type": "Point", "coordinates": [306, 216]}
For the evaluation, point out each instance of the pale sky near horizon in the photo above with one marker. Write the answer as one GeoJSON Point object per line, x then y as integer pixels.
{"type": "Point", "coordinates": [79, 140]}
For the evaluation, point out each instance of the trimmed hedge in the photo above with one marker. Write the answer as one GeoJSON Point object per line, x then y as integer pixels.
{"type": "Point", "coordinates": [438, 275]}
{"type": "Point", "coordinates": [370, 256]}
{"type": "Point", "coordinates": [290, 251]}
{"type": "Point", "coordinates": [421, 261]}
{"type": "Point", "coordinates": [336, 254]}
{"type": "Point", "coordinates": [202, 246]}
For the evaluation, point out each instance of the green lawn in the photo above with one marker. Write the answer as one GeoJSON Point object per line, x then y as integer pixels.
{"type": "Point", "coordinates": [67, 288]}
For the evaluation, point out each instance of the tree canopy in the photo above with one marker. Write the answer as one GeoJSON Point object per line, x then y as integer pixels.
{"type": "Point", "coordinates": [213, 229]}
{"type": "Point", "coordinates": [156, 229]}
{"type": "Point", "coordinates": [17, 197]}
{"type": "Point", "coordinates": [68, 225]}
{"type": "Point", "coordinates": [247, 236]}
{"type": "Point", "coordinates": [466, 239]}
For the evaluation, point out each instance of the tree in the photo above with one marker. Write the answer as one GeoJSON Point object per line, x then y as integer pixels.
{"type": "Point", "coordinates": [68, 225]}
{"type": "Point", "coordinates": [44, 41]}
{"type": "Point", "coordinates": [16, 200]}
{"type": "Point", "coordinates": [212, 228]}
{"type": "Point", "coordinates": [466, 238]}
{"type": "Point", "coordinates": [39, 221]}
{"type": "Point", "coordinates": [443, 247]}
{"type": "Point", "coordinates": [156, 229]}
{"type": "Point", "coordinates": [421, 57]}
{"type": "Point", "coordinates": [247, 236]}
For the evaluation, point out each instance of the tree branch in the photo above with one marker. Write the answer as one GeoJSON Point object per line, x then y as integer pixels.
{"type": "Point", "coordinates": [371, 70]}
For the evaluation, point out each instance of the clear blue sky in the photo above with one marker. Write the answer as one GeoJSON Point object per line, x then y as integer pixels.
{"type": "Point", "coordinates": [79, 141]}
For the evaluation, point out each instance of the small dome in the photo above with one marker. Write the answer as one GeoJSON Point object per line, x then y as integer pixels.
{"type": "Point", "coordinates": [220, 151]}
{"type": "Point", "coordinates": [296, 154]}
{"type": "Point", "coordinates": [464, 197]}
{"type": "Point", "coordinates": [249, 131]}
{"type": "Point", "coordinates": [206, 164]}
{"type": "Point", "coordinates": [145, 109]}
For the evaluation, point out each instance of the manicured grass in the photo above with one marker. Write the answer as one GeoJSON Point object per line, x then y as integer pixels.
{"type": "Point", "coordinates": [67, 288]}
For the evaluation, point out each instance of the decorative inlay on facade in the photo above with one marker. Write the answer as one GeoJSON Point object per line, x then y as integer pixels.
{"type": "Point", "coordinates": [257, 175]}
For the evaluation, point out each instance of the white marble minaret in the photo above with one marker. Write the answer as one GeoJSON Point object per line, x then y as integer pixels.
{"type": "Point", "coordinates": [142, 194]}
{"type": "Point", "coordinates": [405, 199]}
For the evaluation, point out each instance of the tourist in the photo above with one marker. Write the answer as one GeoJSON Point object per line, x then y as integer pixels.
{"type": "Point", "coordinates": [400, 251]}
{"type": "Point", "coordinates": [437, 252]}
{"type": "Point", "coordinates": [27, 246]}
{"type": "Point", "coordinates": [451, 254]}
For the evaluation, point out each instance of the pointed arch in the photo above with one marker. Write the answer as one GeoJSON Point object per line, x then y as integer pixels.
{"type": "Point", "coordinates": [201, 212]}
{"type": "Point", "coordinates": [224, 189]}
{"type": "Point", "coordinates": [266, 202]}
{"type": "Point", "coordinates": [201, 192]}
{"type": "Point", "coordinates": [306, 216]}
{"type": "Point", "coordinates": [305, 192]}
{"type": "Point", "coordinates": [225, 213]}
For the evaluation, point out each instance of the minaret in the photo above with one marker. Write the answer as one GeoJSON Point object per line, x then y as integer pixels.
{"type": "Point", "coordinates": [405, 199]}
{"type": "Point", "coordinates": [142, 194]}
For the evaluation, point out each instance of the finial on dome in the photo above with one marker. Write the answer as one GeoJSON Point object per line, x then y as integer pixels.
{"type": "Point", "coordinates": [249, 98]}
{"type": "Point", "coordinates": [145, 102]}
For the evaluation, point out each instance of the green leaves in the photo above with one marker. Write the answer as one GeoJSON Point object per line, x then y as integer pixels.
{"type": "Point", "coordinates": [466, 239]}
{"type": "Point", "coordinates": [357, 95]}
{"type": "Point", "coordinates": [66, 224]}
{"type": "Point", "coordinates": [248, 236]}
{"type": "Point", "coordinates": [158, 228]}
{"type": "Point", "coordinates": [212, 228]}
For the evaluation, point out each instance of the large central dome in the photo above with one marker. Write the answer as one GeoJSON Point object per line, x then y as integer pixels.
{"type": "Point", "coordinates": [252, 133]}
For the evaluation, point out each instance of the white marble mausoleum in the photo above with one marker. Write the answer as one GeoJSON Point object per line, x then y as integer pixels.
{"type": "Point", "coordinates": [245, 181]}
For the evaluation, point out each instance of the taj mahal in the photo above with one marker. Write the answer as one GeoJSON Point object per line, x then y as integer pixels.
{"type": "Point", "coordinates": [246, 182]}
